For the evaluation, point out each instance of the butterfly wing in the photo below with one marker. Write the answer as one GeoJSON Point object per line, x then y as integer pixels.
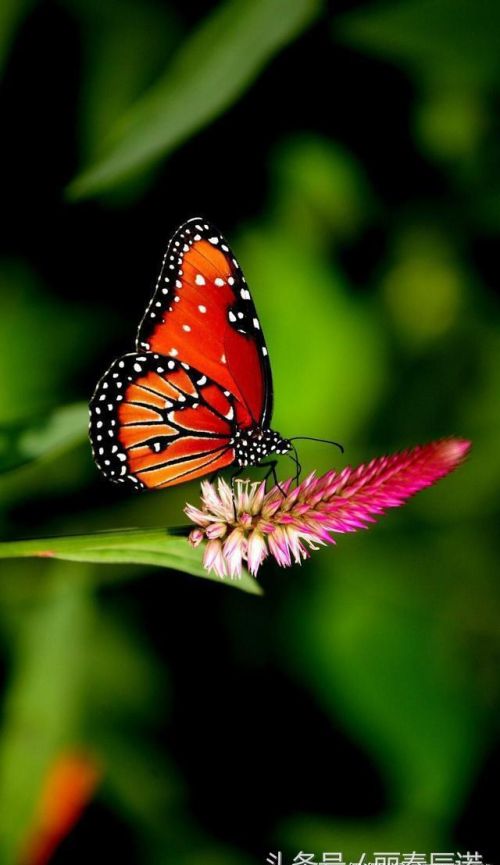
{"type": "Point", "coordinates": [202, 313]}
{"type": "Point", "coordinates": [155, 422]}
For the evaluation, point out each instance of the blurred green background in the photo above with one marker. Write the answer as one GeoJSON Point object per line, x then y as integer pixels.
{"type": "Point", "coordinates": [350, 155]}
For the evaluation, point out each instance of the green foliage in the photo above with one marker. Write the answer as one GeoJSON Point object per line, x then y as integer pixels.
{"type": "Point", "coordinates": [148, 547]}
{"type": "Point", "coordinates": [212, 69]}
{"type": "Point", "coordinates": [42, 711]}
{"type": "Point", "coordinates": [38, 334]}
{"type": "Point", "coordinates": [382, 333]}
{"type": "Point", "coordinates": [46, 436]}
{"type": "Point", "coordinates": [12, 13]}
{"type": "Point", "coordinates": [455, 39]}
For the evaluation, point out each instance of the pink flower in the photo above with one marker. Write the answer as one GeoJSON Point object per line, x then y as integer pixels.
{"type": "Point", "coordinates": [288, 523]}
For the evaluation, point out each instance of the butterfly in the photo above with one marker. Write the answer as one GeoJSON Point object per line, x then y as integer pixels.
{"type": "Point", "coordinates": [196, 396]}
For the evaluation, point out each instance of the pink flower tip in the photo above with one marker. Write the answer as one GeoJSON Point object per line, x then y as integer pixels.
{"type": "Point", "coordinates": [288, 522]}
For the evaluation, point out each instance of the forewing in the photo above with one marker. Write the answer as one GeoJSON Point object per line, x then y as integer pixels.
{"type": "Point", "coordinates": [202, 313]}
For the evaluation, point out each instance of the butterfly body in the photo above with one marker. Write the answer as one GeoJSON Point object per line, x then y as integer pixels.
{"type": "Point", "coordinates": [196, 396]}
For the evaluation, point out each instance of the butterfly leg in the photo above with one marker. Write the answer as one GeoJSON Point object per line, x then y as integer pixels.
{"type": "Point", "coordinates": [271, 466]}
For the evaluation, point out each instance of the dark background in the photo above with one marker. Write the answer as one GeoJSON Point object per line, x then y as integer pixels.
{"type": "Point", "coordinates": [354, 706]}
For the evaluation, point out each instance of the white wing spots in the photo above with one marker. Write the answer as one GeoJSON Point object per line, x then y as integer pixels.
{"type": "Point", "coordinates": [224, 247]}
{"type": "Point", "coordinates": [121, 457]}
{"type": "Point", "coordinates": [223, 358]}
{"type": "Point", "coordinates": [121, 364]}
{"type": "Point", "coordinates": [173, 352]}
{"type": "Point", "coordinates": [245, 294]}
{"type": "Point", "coordinates": [99, 424]}
{"type": "Point", "coordinates": [171, 363]}
{"type": "Point", "coordinates": [185, 247]}
{"type": "Point", "coordinates": [156, 447]}
{"type": "Point", "coordinates": [158, 303]}
{"type": "Point", "coordinates": [231, 316]}
{"type": "Point", "coordinates": [230, 414]}
{"type": "Point", "coordinates": [186, 327]}
{"type": "Point", "coordinates": [218, 281]}
{"type": "Point", "coordinates": [231, 280]}
{"type": "Point", "coordinates": [264, 351]}
{"type": "Point", "coordinates": [199, 279]}
{"type": "Point", "coordinates": [176, 299]}
{"type": "Point", "coordinates": [97, 410]}
{"type": "Point", "coordinates": [197, 237]}
{"type": "Point", "coordinates": [201, 381]}
{"type": "Point", "coordinates": [256, 323]}
{"type": "Point", "coordinates": [185, 365]}
{"type": "Point", "coordinates": [226, 393]}
{"type": "Point", "coordinates": [164, 290]}
{"type": "Point", "coordinates": [181, 398]}
{"type": "Point", "coordinates": [241, 315]}
{"type": "Point", "coordinates": [202, 308]}
{"type": "Point", "coordinates": [178, 283]}
{"type": "Point", "coordinates": [213, 240]}
{"type": "Point", "coordinates": [198, 228]}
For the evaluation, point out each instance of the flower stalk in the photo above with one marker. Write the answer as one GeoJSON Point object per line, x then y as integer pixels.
{"type": "Point", "coordinates": [289, 522]}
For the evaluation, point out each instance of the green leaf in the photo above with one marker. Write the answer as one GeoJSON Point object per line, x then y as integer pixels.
{"type": "Point", "coordinates": [455, 40]}
{"type": "Point", "coordinates": [61, 430]}
{"type": "Point", "coordinates": [41, 714]}
{"type": "Point", "coordinates": [41, 343]}
{"type": "Point", "coordinates": [12, 13]}
{"type": "Point", "coordinates": [213, 68]}
{"type": "Point", "coordinates": [372, 639]}
{"type": "Point", "coordinates": [124, 546]}
{"type": "Point", "coordinates": [126, 45]}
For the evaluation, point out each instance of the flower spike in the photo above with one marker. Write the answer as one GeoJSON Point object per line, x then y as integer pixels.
{"type": "Point", "coordinates": [287, 523]}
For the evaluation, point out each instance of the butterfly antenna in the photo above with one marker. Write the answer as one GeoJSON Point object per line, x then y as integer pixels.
{"type": "Point", "coordinates": [312, 439]}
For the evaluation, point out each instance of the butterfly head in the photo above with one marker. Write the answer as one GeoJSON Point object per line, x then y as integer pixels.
{"type": "Point", "coordinates": [255, 443]}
